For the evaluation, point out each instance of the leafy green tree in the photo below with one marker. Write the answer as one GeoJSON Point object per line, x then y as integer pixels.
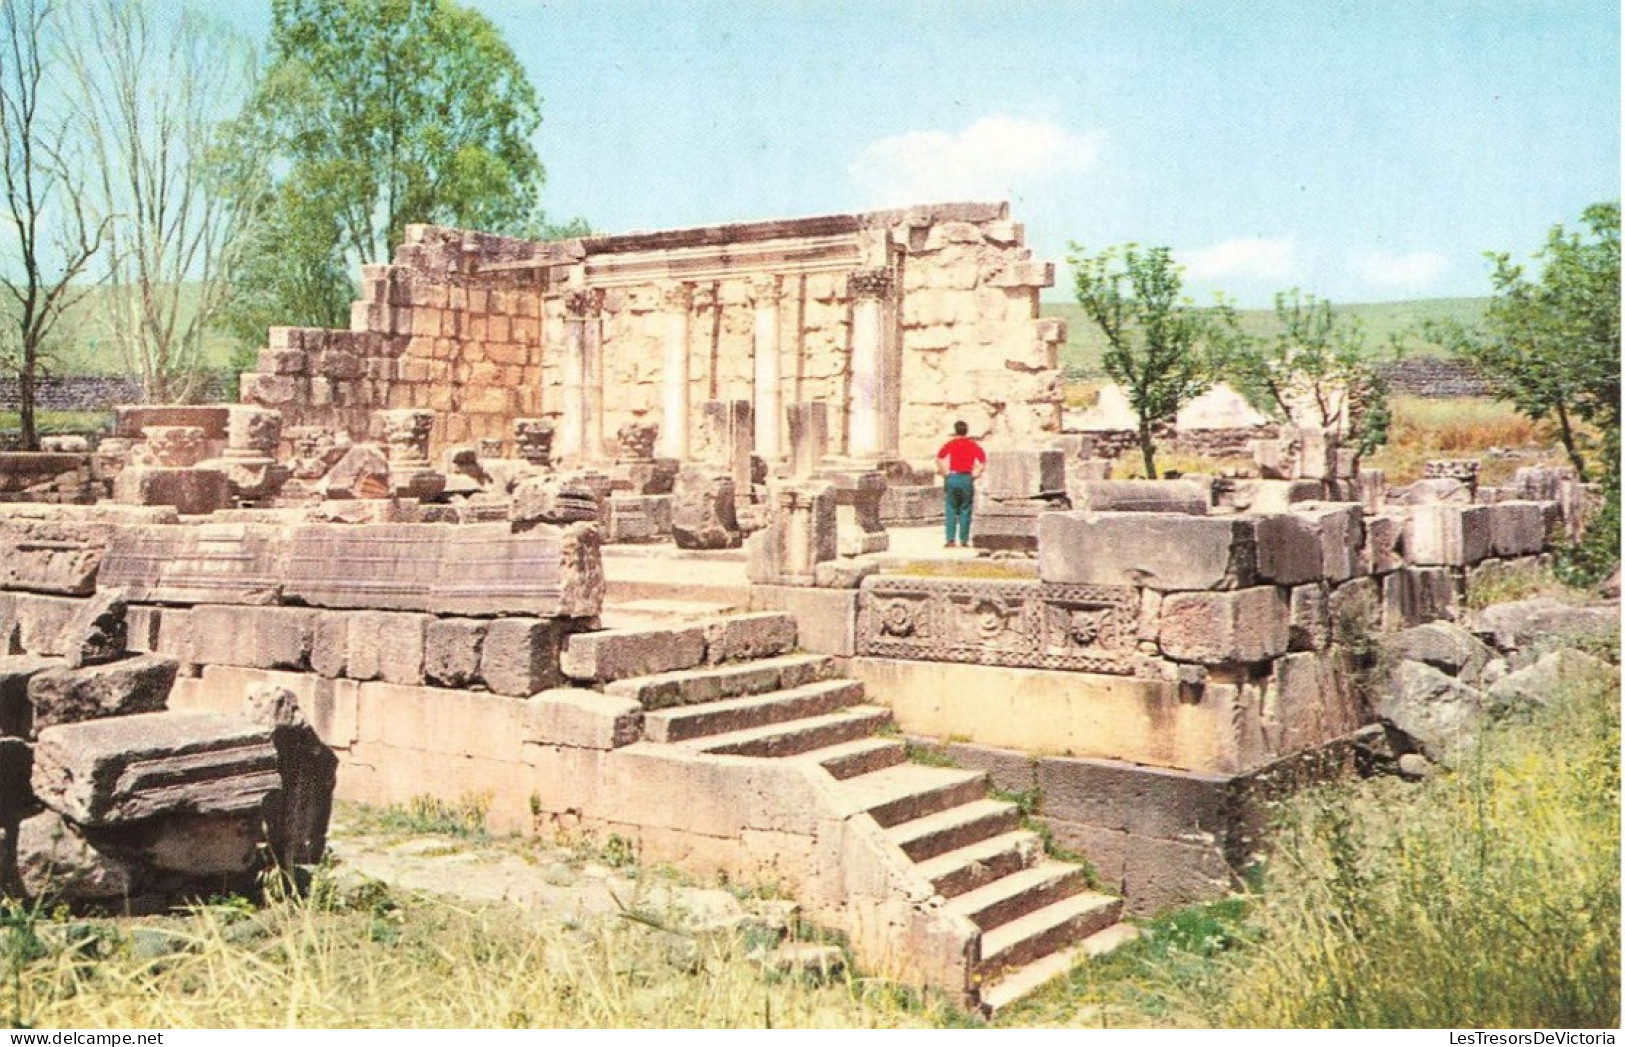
{"type": "Point", "coordinates": [1160, 347]}
{"type": "Point", "coordinates": [1550, 345]}
{"type": "Point", "coordinates": [1315, 370]}
{"type": "Point", "coordinates": [381, 114]}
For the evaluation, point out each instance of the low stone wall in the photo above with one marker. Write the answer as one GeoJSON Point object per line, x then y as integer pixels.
{"type": "Point", "coordinates": [96, 392]}
{"type": "Point", "coordinates": [1434, 377]}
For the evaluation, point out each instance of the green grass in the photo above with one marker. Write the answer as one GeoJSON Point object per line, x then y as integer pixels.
{"type": "Point", "coordinates": [1081, 355]}
{"type": "Point", "coordinates": [48, 421]}
{"type": "Point", "coordinates": [463, 819]}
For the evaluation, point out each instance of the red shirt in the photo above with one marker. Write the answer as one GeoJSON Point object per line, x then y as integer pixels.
{"type": "Point", "coordinates": [962, 453]}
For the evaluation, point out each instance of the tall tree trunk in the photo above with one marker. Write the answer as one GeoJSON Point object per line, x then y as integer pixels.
{"type": "Point", "coordinates": [1565, 432]}
{"type": "Point", "coordinates": [1148, 450]}
{"type": "Point", "coordinates": [26, 397]}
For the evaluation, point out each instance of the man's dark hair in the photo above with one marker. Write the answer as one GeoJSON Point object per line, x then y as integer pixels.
{"type": "Point", "coordinates": [961, 429]}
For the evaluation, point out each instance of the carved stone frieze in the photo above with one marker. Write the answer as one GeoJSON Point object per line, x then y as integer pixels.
{"type": "Point", "coordinates": [872, 283]}
{"type": "Point", "coordinates": [1085, 628]}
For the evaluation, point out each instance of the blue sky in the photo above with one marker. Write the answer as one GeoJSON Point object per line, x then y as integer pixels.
{"type": "Point", "coordinates": [1362, 151]}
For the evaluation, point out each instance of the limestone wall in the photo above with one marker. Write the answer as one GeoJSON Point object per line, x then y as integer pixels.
{"type": "Point", "coordinates": [901, 321]}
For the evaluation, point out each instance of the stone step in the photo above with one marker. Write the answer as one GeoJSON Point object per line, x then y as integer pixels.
{"type": "Point", "coordinates": [908, 791]}
{"type": "Point", "coordinates": [850, 759]}
{"type": "Point", "coordinates": [798, 736]}
{"type": "Point", "coordinates": [686, 722]}
{"type": "Point", "coordinates": [1043, 931]}
{"type": "Point", "coordinates": [1023, 981]}
{"type": "Point", "coordinates": [982, 862]}
{"type": "Point", "coordinates": [713, 683]}
{"type": "Point", "coordinates": [1021, 892]}
{"type": "Point", "coordinates": [955, 828]}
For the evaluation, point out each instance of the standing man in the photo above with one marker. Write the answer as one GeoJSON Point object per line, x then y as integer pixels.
{"type": "Point", "coordinates": [960, 462]}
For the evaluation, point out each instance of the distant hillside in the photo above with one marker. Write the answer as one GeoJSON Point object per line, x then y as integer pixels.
{"type": "Point", "coordinates": [84, 345]}
{"type": "Point", "coordinates": [1082, 351]}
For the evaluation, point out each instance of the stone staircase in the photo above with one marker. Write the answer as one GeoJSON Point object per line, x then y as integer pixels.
{"type": "Point", "coordinates": [1035, 916]}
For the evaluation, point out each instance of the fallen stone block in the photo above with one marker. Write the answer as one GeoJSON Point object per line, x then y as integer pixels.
{"type": "Point", "coordinates": [52, 555]}
{"type": "Point", "coordinates": [1440, 534]}
{"type": "Point", "coordinates": [33, 623]}
{"type": "Point", "coordinates": [297, 817]}
{"type": "Point", "coordinates": [1517, 528]}
{"type": "Point", "coordinates": [552, 500]}
{"type": "Point", "coordinates": [1142, 496]}
{"type": "Point", "coordinates": [363, 472]}
{"type": "Point", "coordinates": [128, 768]}
{"type": "Point", "coordinates": [193, 491]}
{"type": "Point", "coordinates": [1519, 693]}
{"type": "Point", "coordinates": [1445, 646]}
{"type": "Point", "coordinates": [117, 689]}
{"type": "Point", "coordinates": [1442, 714]}
{"type": "Point", "coordinates": [96, 633]}
{"type": "Point", "coordinates": [702, 511]}
{"type": "Point", "coordinates": [1154, 550]}
{"type": "Point", "coordinates": [1524, 625]}
{"type": "Point", "coordinates": [1249, 625]}
{"type": "Point", "coordinates": [54, 860]}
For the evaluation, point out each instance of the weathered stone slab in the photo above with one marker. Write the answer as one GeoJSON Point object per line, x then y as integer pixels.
{"type": "Point", "coordinates": [132, 685]}
{"type": "Point", "coordinates": [582, 719]}
{"type": "Point", "coordinates": [1439, 712]}
{"type": "Point", "coordinates": [363, 472]}
{"type": "Point", "coordinates": [1413, 595]}
{"type": "Point", "coordinates": [639, 518]}
{"type": "Point", "coordinates": [451, 651]}
{"type": "Point", "coordinates": [1010, 526]}
{"type": "Point", "coordinates": [1023, 474]}
{"type": "Point", "coordinates": [520, 656]}
{"type": "Point", "coordinates": [552, 500]}
{"type": "Point", "coordinates": [120, 770]}
{"type": "Point", "coordinates": [1249, 625]}
{"type": "Point", "coordinates": [1155, 550]}
{"type": "Point", "coordinates": [386, 646]}
{"type": "Point", "coordinates": [297, 816]}
{"type": "Point", "coordinates": [257, 637]}
{"type": "Point", "coordinates": [448, 568]}
{"type": "Point", "coordinates": [1517, 528]}
{"type": "Point", "coordinates": [1145, 800]}
{"type": "Point", "coordinates": [192, 490]}
{"type": "Point", "coordinates": [702, 511]}
{"type": "Point", "coordinates": [35, 623]}
{"type": "Point", "coordinates": [614, 654]}
{"type": "Point", "coordinates": [1311, 623]}
{"type": "Point", "coordinates": [52, 556]}
{"type": "Point", "coordinates": [131, 422]}
{"type": "Point", "coordinates": [1448, 535]}
{"type": "Point", "coordinates": [1312, 542]}
{"type": "Point", "coordinates": [743, 637]}
{"type": "Point", "coordinates": [55, 860]}
{"type": "Point", "coordinates": [1089, 628]}
{"type": "Point", "coordinates": [97, 632]}
{"type": "Point", "coordinates": [1142, 496]}
{"type": "Point", "coordinates": [208, 845]}
{"type": "Point", "coordinates": [225, 563]}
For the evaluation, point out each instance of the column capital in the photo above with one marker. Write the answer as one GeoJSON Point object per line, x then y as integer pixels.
{"type": "Point", "coordinates": [765, 289]}
{"type": "Point", "coordinates": [582, 304]}
{"type": "Point", "coordinates": [879, 283]}
{"type": "Point", "coordinates": [677, 295]}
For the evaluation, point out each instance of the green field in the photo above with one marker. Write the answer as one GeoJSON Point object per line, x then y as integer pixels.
{"type": "Point", "coordinates": [1081, 353]}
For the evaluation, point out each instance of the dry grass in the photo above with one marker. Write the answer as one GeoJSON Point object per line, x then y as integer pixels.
{"type": "Point", "coordinates": [1463, 427]}
{"type": "Point", "coordinates": [364, 956]}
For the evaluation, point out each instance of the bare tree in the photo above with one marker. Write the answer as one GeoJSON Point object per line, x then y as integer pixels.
{"type": "Point", "coordinates": [154, 107]}
{"type": "Point", "coordinates": [55, 235]}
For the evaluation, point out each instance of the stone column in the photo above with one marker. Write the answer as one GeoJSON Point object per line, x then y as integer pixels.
{"type": "Point", "coordinates": [764, 292]}
{"type": "Point", "coordinates": [572, 422]}
{"type": "Point", "coordinates": [871, 291]}
{"type": "Point", "coordinates": [592, 379]}
{"type": "Point", "coordinates": [677, 300]}
{"type": "Point", "coordinates": [809, 437]}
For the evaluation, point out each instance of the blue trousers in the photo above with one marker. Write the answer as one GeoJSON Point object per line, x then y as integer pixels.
{"type": "Point", "coordinates": [959, 495]}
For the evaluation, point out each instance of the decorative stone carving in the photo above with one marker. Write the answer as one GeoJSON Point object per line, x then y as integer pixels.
{"type": "Point", "coordinates": [533, 439]}
{"type": "Point", "coordinates": [872, 283]}
{"type": "Point", "coordinates": [406, 433]}
{"type": "Point", "coordinates": [178, 446]}
{"type": "Point", "coordinates": [1087, 628]}
{"type": "Point", "coordinates": [635, 442]}
{"type": "Point", "coordinates": [253, 432]}
{"type": "Point", "coordinates": [582, 304]}
{"type": "Point", "coordinates": [488, 447]}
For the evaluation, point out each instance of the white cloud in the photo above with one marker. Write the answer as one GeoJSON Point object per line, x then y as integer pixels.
{"type": "Point", "coordinates": [1245, 256]}
{"type": "Point", "coordinates": [985, 161]}
{"type": "Point", "coordinates": [1407, 271]}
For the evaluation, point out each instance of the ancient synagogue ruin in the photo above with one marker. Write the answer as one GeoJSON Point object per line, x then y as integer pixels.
{"type": "Point", "coordinates": [631, 535]}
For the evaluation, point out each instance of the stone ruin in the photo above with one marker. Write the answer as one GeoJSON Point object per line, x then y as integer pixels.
{"type": "Point", "coordinates": [400, 567]}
